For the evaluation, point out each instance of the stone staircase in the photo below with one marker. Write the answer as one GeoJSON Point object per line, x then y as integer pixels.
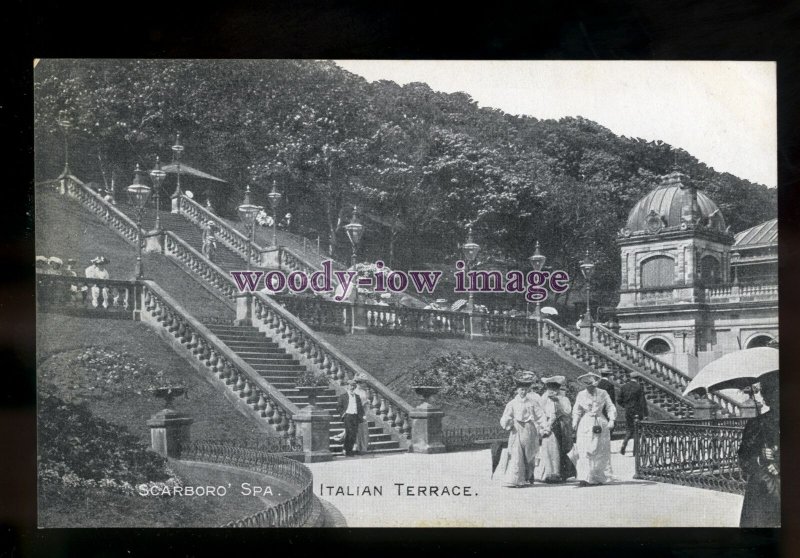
{"type": "Point", "coordinates": [281, 370]}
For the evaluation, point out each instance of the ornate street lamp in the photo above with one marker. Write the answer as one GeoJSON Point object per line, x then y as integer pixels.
{"type": "Point", "coordinates": [537, 263]}
{"type": "Point", "coordinates": [177, 150]}
{"type": "Point", "coordinates": [587, 269]}
{"type": "Point", "coordinates": [471, 250]}
{"type": "Point", "coordinates": [247, 212]}
{"type": "Point", "coordinates": [138, 194]}
{"type": "Point", "coordinates": [274, 198]}
{"type": "Point", "coordinates": [157, 176]}
{"type": "Point", "coordinates": [65, 125]}
{"type": "Point", "coordinates": [354, 230]}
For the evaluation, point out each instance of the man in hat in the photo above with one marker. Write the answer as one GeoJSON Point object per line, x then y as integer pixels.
{"type": "Point", "coordinates": [351, 409]}
{"type": "Point", "coordinates": [606, 385]}
{"type": "Point", "coordinates": [632, 399]}
{"type": "Point", "coordinates": [523, 420]}
{"type": "Point", "coordinates": [553, 464]}
{"type": "Point", "coordinates": [362, 438]}
{"type": "Point", "coordinates": [593, 432]}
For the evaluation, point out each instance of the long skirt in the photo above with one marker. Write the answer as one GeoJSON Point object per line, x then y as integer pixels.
{"type": "Point", "coordinates": [593, 451]}
{"type": "Point", "coordinates": [362, 438]}
{"type": "Point", "coordinates": [517, 469]}
{"type": "Point", "coordinates": [553, 465]}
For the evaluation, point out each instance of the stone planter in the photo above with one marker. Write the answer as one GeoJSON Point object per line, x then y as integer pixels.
{"type": "Point", "coordinates": [312, 392]}
{"type": "Point", "coordinates": [426, 392]}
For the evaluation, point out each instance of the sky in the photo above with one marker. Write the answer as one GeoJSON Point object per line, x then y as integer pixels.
{"type": "Point", "coordinates": [723, 113]}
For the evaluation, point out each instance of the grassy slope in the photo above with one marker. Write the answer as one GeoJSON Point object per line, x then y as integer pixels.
{"type": "Point", "coordinates": [66, 230]}
{"type": "Point", "coordinates": [214, 416]}
{"type": "Point", "coordinates": [391, 360]}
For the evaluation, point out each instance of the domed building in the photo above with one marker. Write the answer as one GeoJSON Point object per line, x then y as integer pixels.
{"type": "Point", "coordinates": [690, 289]}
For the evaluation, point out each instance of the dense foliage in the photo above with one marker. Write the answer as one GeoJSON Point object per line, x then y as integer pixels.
{"type": "Point", "coordinates": [419, 164]}
{"type": "Point", "coordinates": [76, 448]}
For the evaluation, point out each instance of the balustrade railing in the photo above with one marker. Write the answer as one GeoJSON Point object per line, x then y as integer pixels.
{"type": "Point", "coordinates": [293, 512]}
{"type": "Point", "coordinates": [103, 298]}
{"type": "Point", "coordinates": [658, 368]}
{"type": "Point", "coordinates": [508, 327]}
{"type": "Point", "coordinates": [319, 314]}
{"type": "Point", "coordinates": [233, 239]}
{"type": "Point", "coordinates": [200, 266]}
{"type": "Point", "coordinates": [159, 309]}
{"type": "Point", "coordinates": [738, 292]}
{"type": "Point", "coordinates": [690, 454]}
{"type": "Point", "coordinates": [658, 392]}
{"type": "Point", "coordinates": [281, 324]}
{"type": "Point", "coordinates": [471, 438]}
{"type": "Point", "coordinates": [402, 320]}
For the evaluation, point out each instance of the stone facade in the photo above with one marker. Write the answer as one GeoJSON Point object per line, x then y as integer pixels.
{"type": "Point", "coordinates": [681, 296]}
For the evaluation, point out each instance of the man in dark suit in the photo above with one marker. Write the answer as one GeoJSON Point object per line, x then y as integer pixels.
{"type": "Point", "coordinates": [351, 409]}
{"type": "Point", "coordinates": [605, 384]}
{"type": "Point", "coordinates": [632, 398]}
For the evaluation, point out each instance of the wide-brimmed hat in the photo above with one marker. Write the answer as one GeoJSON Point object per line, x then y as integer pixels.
{"type": "Point", "coordinates": [360, 378]}
{"type": "Point", "coordinates": [634, 374]}
{"type": "Point", "coordinates": [525, 379]}
{"type": "Point", "coordinates": [559, 380]}
{"type": "Point", "coordinates": [605, 371]}
{"type": "Point", "coordinates": [589, 379]}
{"type": "Point", "coordinates": [352, 383]}
{"type": "Point", "coordinates": [102, 260]}
{"type": "Point", "coordinates": [55, 260]}
{"type": "Point", "coordinates": [41, 259]}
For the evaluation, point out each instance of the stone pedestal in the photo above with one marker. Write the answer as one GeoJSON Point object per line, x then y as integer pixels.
{"type": "Point", "coordinates": [314, 425]}
{"type": "Point", "coordinates": [169, 431]}
{"type": "Point", "coordinates": [426, 429]}
{"type": "Point", "coordinates": [359, 316]}
{"type": "Point", "coordinates": [474, 324]}
{"type": "Point", "coordinates": [154, 242]}
{"type": "Point", "coordinates": [703, 409]}
{"type": "Point", "coordinates": [176, 204]}
{"type": "Point", "coordinates": [586, 330]}
{"type": "Point", "coordinates": [270, 257]}
{"type": "Point", "coordinates": [244, 309]}
{"type": "Point", "coordinates": [748, 409]}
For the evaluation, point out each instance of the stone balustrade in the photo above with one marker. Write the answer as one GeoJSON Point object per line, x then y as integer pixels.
{"type": "Point", "coordinates": [227, 235]}
{"type": "Point", "coordinates": [741, 293]}
{"type": "Point", "coordinates": [287, 329]}
{"type": "Point", "coordinates": [81, 296]}
{"type": "Point", "coordinates": [201, 267]}
{"type": "Point", "coordinates": [649, 364]}
{"type": "Point", "coordinates": [667, 397]}
{"type": "Point", "coordinates": [194, 341]}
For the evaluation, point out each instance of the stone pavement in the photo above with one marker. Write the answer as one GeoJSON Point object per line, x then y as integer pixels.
{"type": "Point", "coordinates": [624, 503]}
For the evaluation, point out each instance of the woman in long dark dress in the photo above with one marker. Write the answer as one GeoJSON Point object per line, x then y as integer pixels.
{"type": "Point", "coordinates": [759, 457]}
{"type": "Point", "coordinates": [553, 464]}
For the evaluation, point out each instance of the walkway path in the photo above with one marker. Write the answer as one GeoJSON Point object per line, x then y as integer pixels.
{"type": "Point", "coordinates": [626, 503]}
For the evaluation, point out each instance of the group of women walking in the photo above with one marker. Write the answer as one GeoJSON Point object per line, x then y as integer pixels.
{"type": "Point", "coordinates": [551, 440]}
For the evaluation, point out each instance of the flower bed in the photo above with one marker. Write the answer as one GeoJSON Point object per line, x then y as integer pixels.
{"type": "Point", "coordinates": [78, 449]}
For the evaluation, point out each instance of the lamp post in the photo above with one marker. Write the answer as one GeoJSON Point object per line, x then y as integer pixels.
{"type": "Point", "coordinates": [587, 269]}
{"type": "Point", "coordinates": [157, 176]}
{"type": "Point", "coordinates": [138, 194]}
{"type": "Point", "coordinates": [355, 231]}
{"type": "Point", "coordinates": [537, 263]}
{"type": "Point", "coordinates": [471, 250]}
{"type": "Point", "coordinates": [177, 150]}
{"type": "Point", "coordinates": [65, 126]}
{"type": "Point", "coordinates": [247, 211]}
{"type": "Point", "coordinates": [274, 198]}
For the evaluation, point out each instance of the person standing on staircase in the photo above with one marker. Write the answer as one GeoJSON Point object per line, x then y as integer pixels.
{"type": "Point", "coordinates": [362, 439]}
{"type": "Point", "coordinates": [351, 409]}
{"type": "Point", "coordinates": [632, 399]}
{"type": "Point", "coordinates": [210, 241]}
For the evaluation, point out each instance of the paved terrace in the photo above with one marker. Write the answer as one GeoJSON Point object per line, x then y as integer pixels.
{"type": "Point", "coordinates": [625, 503]}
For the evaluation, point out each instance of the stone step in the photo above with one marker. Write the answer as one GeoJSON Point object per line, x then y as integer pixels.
{"type": "Point", "coordinates": [280, 378]}
{"type": "Point", "coordinates": [374, 446]}
{"type": "Point", "coordinates": [266, 358]}
{"type": "Point", "coordinates": [262, 364]}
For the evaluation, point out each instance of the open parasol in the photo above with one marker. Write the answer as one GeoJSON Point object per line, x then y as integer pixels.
{"type": "Point", "coordinates": [738, 370]}
{"type": "Point", "coordinates": [549, 311]}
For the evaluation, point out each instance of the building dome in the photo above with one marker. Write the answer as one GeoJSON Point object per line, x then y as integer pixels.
{"type": "Point", "coordinates": [670, 207]}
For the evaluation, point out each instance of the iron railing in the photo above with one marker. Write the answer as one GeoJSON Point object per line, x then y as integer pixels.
{"type": "Point", "coordinates": [472, 438]}
{"type": "Point", "coordinates": [701, 453]}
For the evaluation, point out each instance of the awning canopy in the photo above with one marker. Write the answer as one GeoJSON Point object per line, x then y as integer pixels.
{"type": "Point", "coordinates": [172, 168]}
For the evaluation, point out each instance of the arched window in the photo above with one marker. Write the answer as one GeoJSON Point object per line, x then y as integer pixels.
{"type": "Point", "coordinates": [709, 271]}
{"type": "Point", "coordinates": [657, 347]}
{"type": "Point", "coordinates": [759, 341]}
{"type": "Point", "coordinates": [658, 272]}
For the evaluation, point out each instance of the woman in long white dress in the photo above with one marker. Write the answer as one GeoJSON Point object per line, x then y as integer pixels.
{"type": "Point", "coordinates": [521, 418]}
{"type": "Point", "coordinates": [593, 432]}
{"type": "Point", "coordinates": [553, 465]}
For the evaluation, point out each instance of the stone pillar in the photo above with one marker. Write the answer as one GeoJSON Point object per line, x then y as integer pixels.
{"type": "Point", "coordinates": [426, 429]}
{"type": "Point", "coordinates": [314, 425]}
{"type": "Point", "coordinates": [474, 323]}
{"type": "Point", "coordinates": [154, 241]}
{"type": "Point", "coordinates": [586, 330]}
{"type": "Point", "coordinates": [244, 309]}
{"type": "Point", "coordinates": [270, 257]}
{"type": "Point", "coordinates": [169, 431]}
{"type": "Point", "coordinates": [176, 204]}
{"type": "Point", "coordinates": [359, 319]}
{"type": "Point", "coordinates": [703, 409]}
{"type": "Point", "coordinates": [748, 409]}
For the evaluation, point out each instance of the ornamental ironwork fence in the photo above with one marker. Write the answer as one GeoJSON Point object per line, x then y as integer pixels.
{"type": "Point", "coordinates": [293, 512]}
{"type": "Point", "coordinates": [701, 453]}
{"type": "Point", "coordinates": [459, 439]}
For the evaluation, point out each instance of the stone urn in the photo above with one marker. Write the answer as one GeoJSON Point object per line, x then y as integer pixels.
{"type": "Point", "coordinates": [426, 392]}
{"type": "Point", "coordinates": [312, 392]}
{"type": "Point", "coordinates": [168, 393]}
